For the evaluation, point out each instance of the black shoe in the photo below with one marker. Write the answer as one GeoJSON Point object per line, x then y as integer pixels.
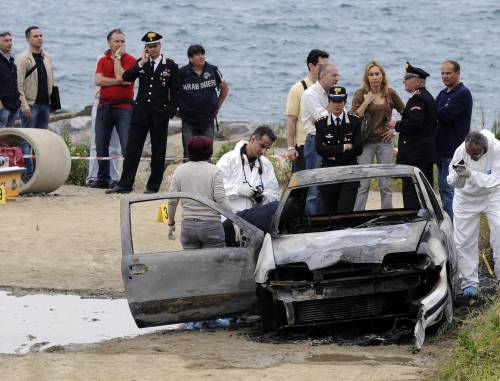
{"type": "Point", "coordinates": [149, 191]}
{"type": "Point", "coordinates": [98, 183]}
{"type": "Point", "coordinates": [118, 189]}
{"type": "Point", "coordinates": [113, 183]}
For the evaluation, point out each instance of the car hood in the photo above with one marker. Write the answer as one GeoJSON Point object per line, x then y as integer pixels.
{"type": "Point", "coordinates": [364, 245]}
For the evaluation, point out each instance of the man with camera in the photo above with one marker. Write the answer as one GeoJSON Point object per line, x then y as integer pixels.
{"type": "Point", "coordinates": [474, 172]}
{"type": "Point", "coordinates": [249, 178]}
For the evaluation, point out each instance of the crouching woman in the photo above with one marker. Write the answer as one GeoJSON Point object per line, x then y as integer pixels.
{"type": "Point", "coordinates": [201, 225]}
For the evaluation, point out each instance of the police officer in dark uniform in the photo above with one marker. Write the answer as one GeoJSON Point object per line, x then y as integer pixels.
{"type": "Point", "coordinates": [338, 142]}
{"type": "Point", "coordinates": [417, 129]}
{"type": "Point", "coordinates": [156, 102]}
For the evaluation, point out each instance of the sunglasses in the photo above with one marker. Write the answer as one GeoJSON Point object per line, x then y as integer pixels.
{"type": "Point", "coordinates": [149, 46]}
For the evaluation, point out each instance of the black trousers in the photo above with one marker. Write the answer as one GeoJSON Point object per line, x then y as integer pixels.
{"type": "Point", "coordinates": [135, 144]}
{"type": "Point", "coordinates": [299, 164]}
{"type": "Point", "coordinates": [338, 198]}
{"type": "Point", "coordinates": [410, 197]}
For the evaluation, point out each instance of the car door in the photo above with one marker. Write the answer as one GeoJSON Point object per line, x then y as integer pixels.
{"type": "Point", "coordinates": [169, 287]}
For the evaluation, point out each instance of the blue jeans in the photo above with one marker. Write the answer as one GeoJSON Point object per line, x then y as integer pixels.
{"type": "Point", "coordinates": [446, 191]}
{"type": "Point", "coordinates": [108, 118]}
{"type": "Point", "coordinates": [313, 160]}
{"type": "Point", "coordinates": [114, 150]}
{"type": "Point", "coordinates": [39, 119]}
{"type": "Point", "coordinates": [7, 117]}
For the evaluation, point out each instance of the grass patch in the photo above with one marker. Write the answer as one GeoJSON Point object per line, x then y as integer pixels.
{"type": "Point", "coordinates": [476, 356]}
{"type": "Point", "coordinates": [79, 168]}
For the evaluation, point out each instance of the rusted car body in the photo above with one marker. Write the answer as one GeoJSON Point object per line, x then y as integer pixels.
{"type": "Point", "coordinates": [309, 270]}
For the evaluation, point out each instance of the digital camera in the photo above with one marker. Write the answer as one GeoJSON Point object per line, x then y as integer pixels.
{"type": "Point", "coordinates": [258, 195]}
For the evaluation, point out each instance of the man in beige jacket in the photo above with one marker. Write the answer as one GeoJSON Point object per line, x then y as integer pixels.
{"type": "Point", "coordinates": [35, 78]}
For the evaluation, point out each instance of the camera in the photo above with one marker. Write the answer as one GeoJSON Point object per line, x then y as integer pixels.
{"type": "Point", "coordinates": [258, 195]}
{"type": "Point", "coordinates": [458, 164]}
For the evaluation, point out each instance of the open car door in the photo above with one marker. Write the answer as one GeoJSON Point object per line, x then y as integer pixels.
{"type": "Point", "coordinates": [166, 287]}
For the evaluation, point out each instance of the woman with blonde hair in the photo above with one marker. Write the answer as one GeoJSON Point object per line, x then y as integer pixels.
{"type": "Point", "coordinates": [375, 101]}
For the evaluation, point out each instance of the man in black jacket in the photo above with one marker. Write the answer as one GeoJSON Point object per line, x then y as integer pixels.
{"type": "Point", "coordinates": [417, 130]}
{"type": "Point", "coordinates": [156, 102]}
{"type": "Point", "coordinates": [338, 142]}
{"type": "Point", "coordinates": [9, 96]}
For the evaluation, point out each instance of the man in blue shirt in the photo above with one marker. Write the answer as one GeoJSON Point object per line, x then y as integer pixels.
{"type": "Point", "coordinates": [199, 102]}
{"type": "Point", "coordinates": [454, 109]}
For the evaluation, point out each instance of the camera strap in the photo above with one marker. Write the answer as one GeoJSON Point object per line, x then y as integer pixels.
{"type": "Point", "coordinates": [242, 156]}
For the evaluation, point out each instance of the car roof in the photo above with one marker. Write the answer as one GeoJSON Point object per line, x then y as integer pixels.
{"type": "Point", "coordinates": [349, 172]}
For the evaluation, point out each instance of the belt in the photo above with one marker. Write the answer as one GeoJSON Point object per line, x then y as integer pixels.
{"type": "Point", "coordinates": [192, 219]}
{"type": "Point", "coordinates": [110, 104]}
{"type": "Point", "coordinates": [310, 136]}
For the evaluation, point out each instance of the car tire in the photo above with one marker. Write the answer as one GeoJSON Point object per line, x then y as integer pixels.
{"type": "Point", "coordinates": [270, 312]}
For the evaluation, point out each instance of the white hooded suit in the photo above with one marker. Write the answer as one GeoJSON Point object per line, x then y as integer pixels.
{"type": "Point", "coordinates": [480, 193]}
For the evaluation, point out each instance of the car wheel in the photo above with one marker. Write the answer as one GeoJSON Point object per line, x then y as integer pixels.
{"type": "Point", "coordinates": [269, 311]}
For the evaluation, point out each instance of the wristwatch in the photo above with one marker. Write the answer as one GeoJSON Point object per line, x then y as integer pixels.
{"type": "Point", "coordinates": [290, 148]}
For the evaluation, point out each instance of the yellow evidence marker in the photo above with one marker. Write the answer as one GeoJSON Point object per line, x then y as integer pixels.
{"type": "Point", "coordinates": [162, 216]}
{"type": "Point", "coordinates": [3, 195]}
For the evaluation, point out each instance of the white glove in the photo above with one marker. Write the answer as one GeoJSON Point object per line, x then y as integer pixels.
{"type": "Point", "coordinates": [246, 190]}
{"type": "Point", "coordinates": [171, 231]}
{"type": "Point", "coordinates": [462, 170]}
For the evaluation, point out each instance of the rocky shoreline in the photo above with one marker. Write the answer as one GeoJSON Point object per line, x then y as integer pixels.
{"type": "Point", "coordinates": [78, 126]}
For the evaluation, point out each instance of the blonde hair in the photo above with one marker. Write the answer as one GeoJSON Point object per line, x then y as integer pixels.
{"type": "Point", "coordinates": [384, 86]}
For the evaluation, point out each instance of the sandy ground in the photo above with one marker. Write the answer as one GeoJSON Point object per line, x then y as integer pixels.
{"type": "Point", "coordinates": [69, 242]}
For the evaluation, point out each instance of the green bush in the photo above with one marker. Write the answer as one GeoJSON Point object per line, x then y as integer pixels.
{"type": "Point", "coordinates": [225, 148]}
{"type": "Point", "coordinates": [79, 168]}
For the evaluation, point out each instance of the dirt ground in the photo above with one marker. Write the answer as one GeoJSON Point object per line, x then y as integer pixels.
{"type": "Point", "coordinates": [69, 242]}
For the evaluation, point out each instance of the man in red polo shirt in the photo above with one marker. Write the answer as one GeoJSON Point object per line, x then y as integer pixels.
{"type": "Point", "coordinates": [115, 101]}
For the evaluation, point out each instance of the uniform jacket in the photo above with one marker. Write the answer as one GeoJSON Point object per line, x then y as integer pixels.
{"type": "Point", "coordinates": [233, 164]}
{"type": "Point", "coordinates": [9, 94]}
{"type": "Point", "coordinates": [28, 87]}
{"type": "Point", "coordinates": [330, 140]}
{"type": "Point", "coordinates": [158, 91]}
{"type": "Point", "coordinates": [485, 172]}
{"type": "Point", "coordinates": [199, 100]}
{"type": "Point", "coordinates": [417, 129]}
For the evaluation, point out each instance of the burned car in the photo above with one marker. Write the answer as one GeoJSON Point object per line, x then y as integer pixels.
{"type": "Point", "coordinates": [308, 270]}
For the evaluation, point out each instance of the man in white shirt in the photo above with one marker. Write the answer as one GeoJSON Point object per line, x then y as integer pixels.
{"type": "Point", "coordinates": [313, 105]}
{"type": "Point", "coordinates": [296, 135]}
{"type": "Point", "coordinates": [249, 178]}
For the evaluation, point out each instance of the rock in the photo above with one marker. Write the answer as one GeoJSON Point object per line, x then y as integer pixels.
{"type": "Point", "coordinates": [78, 128]}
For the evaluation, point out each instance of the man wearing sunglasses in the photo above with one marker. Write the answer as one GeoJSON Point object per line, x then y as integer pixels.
{"type": "Point", "coordinates": [474, 172]}
{"type": "Point", "coordinates": [416, 145]}
{"type": "Point", "coordinates": [156, 102]}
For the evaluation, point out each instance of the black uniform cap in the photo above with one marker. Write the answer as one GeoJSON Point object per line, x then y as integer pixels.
{"type": "Point", "coordinates": [151, 38]}
{"type": "Point", "coordinates": [416, 70]}
{"type": "Point", "coordinates": [337, 93]}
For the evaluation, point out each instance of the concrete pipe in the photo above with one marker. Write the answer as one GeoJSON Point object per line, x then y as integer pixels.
{"type": "Point", "coordinates": [53, 161]}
